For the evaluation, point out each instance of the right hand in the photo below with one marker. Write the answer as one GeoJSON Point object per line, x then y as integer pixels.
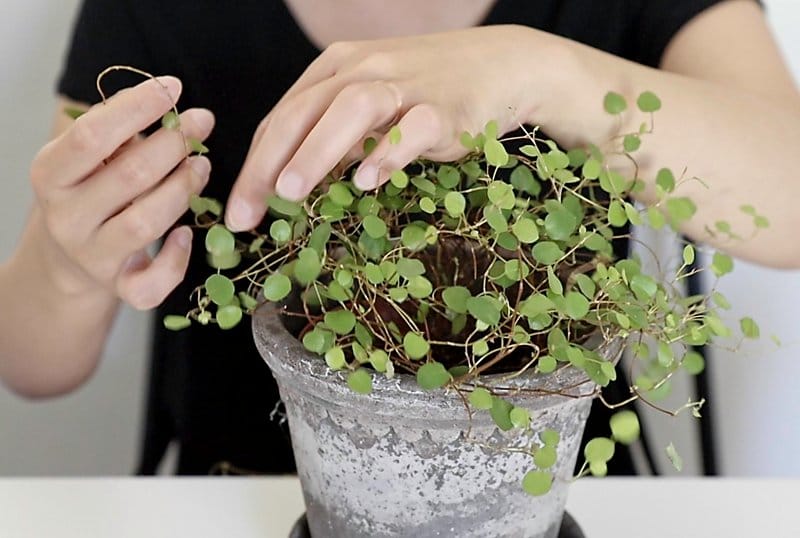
{"type": "Point", "coordinates": [104, 194]}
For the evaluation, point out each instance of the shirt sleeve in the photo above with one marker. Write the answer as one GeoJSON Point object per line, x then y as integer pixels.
{"type": "Point", "coordinates": [105, 33]}
{"type": "Point", "coordinates": [659, 21]}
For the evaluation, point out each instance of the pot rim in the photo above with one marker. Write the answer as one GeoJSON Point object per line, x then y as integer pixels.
{"type": "Point", "coordinates": [290, 357]}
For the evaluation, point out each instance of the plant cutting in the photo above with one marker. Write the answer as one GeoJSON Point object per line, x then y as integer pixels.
{"type": "Point", "coordinates": [437, 342]}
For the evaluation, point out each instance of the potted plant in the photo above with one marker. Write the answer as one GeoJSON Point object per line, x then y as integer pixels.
{"type": "Point", "coordinates": [437, 342]}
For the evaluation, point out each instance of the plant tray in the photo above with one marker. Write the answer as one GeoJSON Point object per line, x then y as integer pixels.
{"type": "Point", "coordinates": [569, 528]}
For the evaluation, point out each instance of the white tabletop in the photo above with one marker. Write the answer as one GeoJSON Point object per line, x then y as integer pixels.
{"type": "Point", "coordinates": [267, 507]}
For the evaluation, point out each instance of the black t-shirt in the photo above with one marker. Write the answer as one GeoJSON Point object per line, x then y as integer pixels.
{"type": "Point", "coordinates": [209, 389]}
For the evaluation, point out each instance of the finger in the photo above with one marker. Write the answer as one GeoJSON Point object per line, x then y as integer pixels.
{"type": "Point", "coordinates": [138, 169]}
{"type": "Point", "coordinates": [422, 129]}
{"type": "Point", "coordinates": [144, 284]}
{"type": "Point", "coordinates": [97, 134]}
{"type": "Point", "coordinates": [150, 216]}
{"type": "Point", "coordinates": [274, 143]}
{"type": "Point", "coordinates": [356, 110]}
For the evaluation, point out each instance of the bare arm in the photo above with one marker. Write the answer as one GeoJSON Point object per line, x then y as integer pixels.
{"type": "Point", "coordinates": [102, 195]}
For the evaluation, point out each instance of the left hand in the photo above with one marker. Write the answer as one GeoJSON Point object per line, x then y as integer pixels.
{"type": "Point", "coordinates": [434, 87]}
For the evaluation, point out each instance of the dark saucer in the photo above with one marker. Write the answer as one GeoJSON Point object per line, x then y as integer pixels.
{"type": "Point", "coordinates": [569, 528]}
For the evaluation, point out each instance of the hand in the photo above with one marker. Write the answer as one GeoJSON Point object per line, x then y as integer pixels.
{"type": "Point", "coordinates": [104, 194]}
{"type": "Point", "coordinates": [436, 86]}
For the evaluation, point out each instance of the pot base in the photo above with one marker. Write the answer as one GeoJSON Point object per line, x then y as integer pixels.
{"type": "Point", "coordinates": [569, 528]}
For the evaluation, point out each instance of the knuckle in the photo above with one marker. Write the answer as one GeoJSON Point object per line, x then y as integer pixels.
{"type": "Point", "coordinates": [139, 227]}
{"type": "Point", "coordinates": [135, 172]}
{"type": "Point", "coordinates": [340, 50]}
{"type": "Point", "coordinates": [377, 64]}
{"type": "Point", "coordinates": [429, 118]}
{"type": "Point", "coordinates": [357, 96]}
{"type": "Point", "coordinates": [85, 136]}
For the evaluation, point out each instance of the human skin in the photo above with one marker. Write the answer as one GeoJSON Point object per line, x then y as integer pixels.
{"type": "Point", "coordinates": [730, 110]}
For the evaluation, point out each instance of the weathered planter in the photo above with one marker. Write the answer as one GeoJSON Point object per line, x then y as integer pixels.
{"type": "Point", "coordinates": [398, 461]}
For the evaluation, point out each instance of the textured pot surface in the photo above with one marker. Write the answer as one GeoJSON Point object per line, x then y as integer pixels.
{"type": "Point", "coordinates": [407, 462]}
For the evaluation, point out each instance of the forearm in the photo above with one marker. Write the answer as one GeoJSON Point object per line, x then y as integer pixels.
{"type": "Point", "coordinates": [735, 141]}
{"type": "Point", "coordinates": [52, 337]}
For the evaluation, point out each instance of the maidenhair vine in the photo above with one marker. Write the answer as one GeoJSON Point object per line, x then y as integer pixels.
{"type": "Point", "coordinates": [500, 262]}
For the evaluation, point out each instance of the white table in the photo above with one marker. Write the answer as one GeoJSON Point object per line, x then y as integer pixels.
{"type": "Point", "coordinates": [267, 507]}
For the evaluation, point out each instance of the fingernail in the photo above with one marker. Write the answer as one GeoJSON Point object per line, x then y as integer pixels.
{"type": "Point", "coordinates": [290, 186]}
{"type": "Point", "coordinates": [183, 236]}
{"type": "Point", "coordinates": [366, 177]}
{"type": "Point", "coordinates": [201, 165]}
{"type": "Point", "coordinates": [239, 216]}
{"type": "Point", "coordinates": [172, 85]}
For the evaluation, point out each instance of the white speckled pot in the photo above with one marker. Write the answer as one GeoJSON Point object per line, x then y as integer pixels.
{"type": "Point", "coordinates": [398, 463]}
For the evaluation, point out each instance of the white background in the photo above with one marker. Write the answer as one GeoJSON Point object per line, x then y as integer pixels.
{"type": "Point", "coordinates": [95, 431]}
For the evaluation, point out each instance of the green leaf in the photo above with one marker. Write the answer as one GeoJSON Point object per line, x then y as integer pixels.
{"type": "Point", "coordinates": [307, 267]}
{"type": "Point", "coordinates": [335, 358]}
{"type": "Point", "coordinates": [522, 179]}
{"type": "Point", "coordinates": [195, 146]}
{"type": "Point", "coordinates": [276, 287]}
{"type": "Point", "coordinates": [485, 309]}
{"type": "Point", "coordinates": [616, 214]}
{"type": "Point", "coordinates": [761, 221]}
{"type": "Point", "coordinates": [419, 287]}
{"type": "Point", "coordinates": [501, 194]}
{"type": "Point", "coordinates": [648, 102]}
{"type": "Point", "coordinates": [379, 360]}
{"type": "Point", "coordinates": [674, 457]}
{"type": "Point", "coordinates": [560, 223]}
{"type": "Point", "coordinates": [399, 179]}
{"type": "Point", "coordinates": [547, 364]}
{"type": "Point", "coordinates": [501, 413]}
{"type": "Point", "coordinates": [427, 205]}
{"type": "Point", "coordinates": [550, 437]}
{"type": "Point", "coordinates": [614, 103]}
{"type": "Point", "coordinates": [520, 417]}
{"type": "Point", "coordinates": [318, 340]}
{"type": "Point", "coordinates": [432, 375]}
{"type": "Point", "coordinates": [171, 120]}
{"type": "Point", "coordinates": [369, 145]}
{"type": "Point", "coordinates": [480, 348]}
{"type": "Point", "coordinates": [525, 230]}
{"type": "Point", "coordinates": [576, 305]}
{"type": "Point", "coordinates": [415, 346]}
{"type": "Point", "coordinates": [680, 210]}
{"type": "Point", "coordinates": [176, 323]}
{"type": "Point", "coordinates": [545, 457]}
{"type": "Point", "coordinates": [284, 207]}
{"type": "Point", "coordinates": [592, 169]}
{"type": "Point", "coordinates": [553, 281]}
{"type": "Point", "coordinates": [625, 427]}
{"type": "Point", "coordinates": [656, 218]}
{"type": "Point", "coordinates": [340, 321]}
{"type": "Point", "coordinates": [688, 255]}
{"type": "Point", "coordinates": [339, 194]}
{"type": "Point", "coordinates": [219, 240]}
{"type": "Point", "coordinates": [448, 176]}
{"type": "Point", "coordinates": [585, 284]}
{"type": "Point", "coordinates": [467, 140]}
{"type": "Point", "coordinates": [631, 143]}
{"type": "Point", "coordinates": [455, 204]}
{"type": "Point", "coordinates": [496, 154]}
{"type": "Point", "coordinates": [74, 112]}
{"type": "Point", "coordinates": [280, 231]}
{"type": "Point", "coordinates": [409, 267]}
{"type": "Point", "coordinates": [456, 297]}
{"type": "Point", "coordinates": [220, 289]}
{"type": "Point", "coordinates": [546, 252]}
{"type": "Point", "coordinates": [599, 449]}
{"type": "Point", "coordinates": [693, 362]}
{"type": "Point", "coordinates": [666, 180]}
{"type": "Point", "coordinates": [394, 135]}
{"type": "Point", "coordinates": [495, 218]}
{"type": "Point", "coordinates": [374, 226]}
{"type": "Point", "coordinates": [413, 237]}
{"type": "Point", "coordinates": [373, 273]}
{"type": "Point", "coordinates": [224, 261]}
{"type": "Point", "coordinates": [229, 316]}
{"type": "Point", "coordinates": [480, 398]}
{"type": "Point", "coordinates": [749, 328]}
{"type": "Point", "coordinates": [721, 264]}
{"type": "Point", "coordinates": [360, 381]}
{"type": "Point", "coordinates": [537, 483]}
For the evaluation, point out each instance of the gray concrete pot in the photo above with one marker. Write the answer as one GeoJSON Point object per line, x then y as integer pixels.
{"type": "Point", "coordinates": [398, 462]}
